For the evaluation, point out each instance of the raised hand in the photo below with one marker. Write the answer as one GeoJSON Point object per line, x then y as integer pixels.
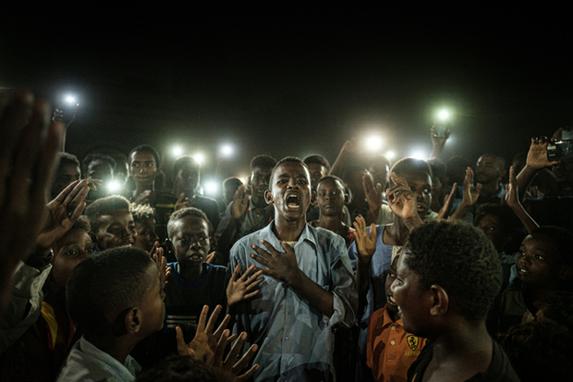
{"type": "Point", "coordinates": [232, 361]}
{"type": "Point", "coordinates": [537, 154]}
{"type": "Point", "coordinates": [511, 194]}
{"type": "Point", "coordinates": [240, 203]}
{"type": "Point", "coordinates": [365, 242]}
{"type": "Point", "coordinates": [182, 202]}
{"type": "Point", "coordinates": [164, 270]}
{"type": "Point", "coordinates": [373, 193]}
{"type": "Point", "coordinates": [27, 157]}
{"type": "Point", "coordinates": [447, 203]}
{"type": "Point", "coordinates": [439, 141]}
{"type": "Point", "coordinates": [279, 265]}
{"type": "Point", "coordinates": [244, 286]}
{"type": "Point", "coordinates": [63, 211]}
{"type": "Point", "coordinates": [203, 347]}
{"type": "Point", "coordinates": [471, 192]}
{"type": "Point", "coordinates": [401, 199]}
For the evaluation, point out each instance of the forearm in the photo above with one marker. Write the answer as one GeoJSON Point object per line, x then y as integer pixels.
{"type": "Point", "coordinates": [339, 163]}
{"type": "Point", "coordinates": [317, 297]}
{"type": "Point", "coordinates": [413, 222]}
{"type": "Point", "coordinates": [528, 222]}
{"type": "Point", "coordinates": [525, 176]}
{"type": "Point", "coordinates": [363, 280]}
{"type": "Point", "coordinates": [460, 212]}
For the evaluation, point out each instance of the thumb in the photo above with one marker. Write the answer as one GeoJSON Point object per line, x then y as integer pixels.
{"type": "Point", "coordinates": [182, 348]}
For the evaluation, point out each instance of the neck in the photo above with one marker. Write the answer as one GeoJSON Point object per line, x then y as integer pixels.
{"type": "Point", "coordinates": [332, 223]}
{"type": "Point", "coordinates": [464, 339]}
{"type": "Point", "coordinates": [140, 187]}
{"type": "Point", "coordinates": [288, 230]}
{"type": "Point", "coordinates": [119, 347]}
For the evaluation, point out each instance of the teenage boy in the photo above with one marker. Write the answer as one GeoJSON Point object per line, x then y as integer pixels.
{"type": "Point", "coordinates": [308, 284]}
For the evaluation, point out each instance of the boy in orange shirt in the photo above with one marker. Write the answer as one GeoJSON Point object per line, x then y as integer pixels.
{"type": "Point", "coordinates": [390, 350]}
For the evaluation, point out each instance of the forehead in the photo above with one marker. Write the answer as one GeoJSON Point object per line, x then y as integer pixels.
{"type": "Point", "coordinates": [540, 243]}
{"type": "Point", "coordinates": [316, 167]}
{"type": "Point", "coordinates": [487, 159]}
{"type": "Point", "coordinates": [261, 171]}
{"type": "Point", "coordinates": [330, 184]}
{"type": "Point", "coordinates": [75, 236]}
{"type": "Point", "coordinates": [489, 219]}
{"type": "Point", "coordinates": [69, 169]}
{"type": "Point", "coordinates": [190, 224]}
{"type": "Point", "coordinates": [291, 169]}
{"type": "Point", "coordinates": [123, 217]}
{"type": "Point", "coordinates": [142, 156]}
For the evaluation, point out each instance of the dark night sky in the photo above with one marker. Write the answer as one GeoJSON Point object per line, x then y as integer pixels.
{"type": "Point", "coordinates": [289, 88]}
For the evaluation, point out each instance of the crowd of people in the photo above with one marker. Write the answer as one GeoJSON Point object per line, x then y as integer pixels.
{"type": "Point", "coordinates": [363, 270]}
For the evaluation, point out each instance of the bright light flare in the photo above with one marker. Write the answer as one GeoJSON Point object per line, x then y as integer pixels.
{"type": "Point", "coordinates": [113, 186]}
{"type": "Point", "coordinates": [176, 151]}
{"type": "Point", "coordinates": [390, 155]}
{"type": "Point", "coordinates": [227, 150]}
{"type": "Point", "coordinates": [211, 187]}
{"type": "Point", "coordinates": [373, 143]}
{"type": "Point", "coordinates": [199, 158]}
{"type": "Point", "coordinates": [71, 99]}
{"type": "Point", "coordinates": [443, 115]}
{"type": "Point", "coordinates": [419, 153]}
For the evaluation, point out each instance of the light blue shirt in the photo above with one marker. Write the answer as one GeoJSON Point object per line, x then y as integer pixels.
{"type": "Point", "coordinates": [88, 363]}
{"type": "Point", "coordinates": [295, 340]}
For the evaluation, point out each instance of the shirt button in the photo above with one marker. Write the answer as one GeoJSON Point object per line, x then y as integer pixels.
{"type": "Point", "coordinates": [392, 342]}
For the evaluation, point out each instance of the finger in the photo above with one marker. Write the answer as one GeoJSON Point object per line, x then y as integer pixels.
{"type": "Point", "coordinates": [252, 294]}
{"type": "Point", "coordinates": [236, 273]}
{"type": "Point", "coordinates": [221, 348]}
{"type": "Point", "coordinates": [210, 258]}
{"type": "Point", "coordinates": [255, 276]}
{"type": "Point", "coordinates": [27, 153]}
{"type": "Point", "coordinates": [202, 318]}
{"type": "Point", "coordinates": [245, 276]}
{"type": "Point", "coordinates": [62, 195]}
{"type": "Point", "coordinates": [234, 353]}
{"type": "Point", "coordinates": [249, 373]}
{"type": "Point", "coordinates": [261, 252]}
{"type": "Point", "coordinates": [47, 164]}
{"type": "Point", "coordinates": [181, 198]}
{"type": "Point", "coordinates": [213, 319]}
{"type": "Point", "coordinates": [77, 189]}
{"type": "Point", "coordinates": [289, 249]}
{"type": "Point", "coordinates": [222, 325]}
{"type": "Point", "coordinates": [181, 345]}
{"type": "Point", "coordinates": [244, 361]}
{"type": "Point", "coordinates": [262, 258]}
{"type": "Point", "coordinates": [373, 232]}
{"type": "Point", "coordinates": [270, 247]}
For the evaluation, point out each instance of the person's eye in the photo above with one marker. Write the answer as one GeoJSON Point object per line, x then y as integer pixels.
{"type": "Point", "coordinates": [539, 258]}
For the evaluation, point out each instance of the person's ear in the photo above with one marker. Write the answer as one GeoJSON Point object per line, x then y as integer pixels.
{"type": "Point", "coordinates": [132, 321]}
{"type": "Point", "coordinates": [313, 195]}
{"type": "Point", "coordinates": [347, 196]}
{"type": "Point", "coordinates": [269, 197]}
{"type": "Point", "coordinates": [440, 301]}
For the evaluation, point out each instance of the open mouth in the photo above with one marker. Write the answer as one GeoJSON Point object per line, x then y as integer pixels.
{"type": "Point", "coordinates": [391, 300]}
{"type": "Point", "coordinates": [292, 201]}
{"type": "Point", "coordinates": [522, 271]}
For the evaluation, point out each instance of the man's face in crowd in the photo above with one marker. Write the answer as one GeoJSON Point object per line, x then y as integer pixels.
{"type": "Point", "coordinates": [74, 248]}
{"type": "Point", "coordinates": [537, 263]}
{"type": "Point", "coordinates": [66, 174]}
{"type": "Point", "coordinates": [145, 234]}
{"type": "Point", "coordinates": [143, 168]}
{"type": "Point", "coordinates": [259, 183]}
{"type": "Point", "coordinates": [421, 185]}
{"type": "Point", "coordinates": [317, 171]}
{"type": "Point", "coordinates": [407, 292]}
{"type": "Point", "coordinates": [290, 193]}
{"type": "Point", "coordinates": [487, 169]}
{"type": "Point", "coordinates": [101, 170]}
{"type": "Point", "coordinates": [152, 304]}
{"type": "Point", "coordinates": [191, 241]}
{"type": "Point", "coordinates": [187, 179]}
{"type": "Point", "coordinates": [115, 230]}
{"type": "Point", "coordinates": [330, 197]}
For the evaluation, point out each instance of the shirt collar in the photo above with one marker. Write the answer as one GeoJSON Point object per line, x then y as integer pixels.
{"type": "Point", "coordinates": [308, 234]}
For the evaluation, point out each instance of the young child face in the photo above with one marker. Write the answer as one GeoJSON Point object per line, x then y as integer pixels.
{"type": "Point", "coordinates": [115, 230]}
{"type": "Point", "coordinates": [191, 240]}
{"type": "Point", "coordinates": [491, 226]}
{"type": "Point", "coordinates": [538, 261]}
{"type": "Point", "coordinates": [330, 197]}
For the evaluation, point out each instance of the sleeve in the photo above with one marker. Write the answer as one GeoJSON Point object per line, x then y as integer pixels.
{"type": "Point", "coordinates": [25, 304]}
{"type": "Point", "coordinates": [345, 293]}
{"type": "Point", "coordinates": [370, 340]}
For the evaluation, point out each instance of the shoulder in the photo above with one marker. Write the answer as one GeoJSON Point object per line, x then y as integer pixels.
{"type": "Point", "coordinates": [215, 269]}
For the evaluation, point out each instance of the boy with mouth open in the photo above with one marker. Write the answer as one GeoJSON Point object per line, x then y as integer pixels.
{"type": "Point", "coordinates": [308, 285]}
{"type": "Point", "coordinates": [446, 281]}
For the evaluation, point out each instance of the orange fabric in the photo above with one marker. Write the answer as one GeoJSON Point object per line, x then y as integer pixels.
{"type": "Point", "coordinates": [389, 349]}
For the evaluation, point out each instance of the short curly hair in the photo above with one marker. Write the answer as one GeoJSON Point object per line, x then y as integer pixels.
{"type": "Point", "coordinates": [459, 258]}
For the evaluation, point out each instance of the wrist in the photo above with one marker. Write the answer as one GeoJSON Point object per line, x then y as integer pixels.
{"type": "Point", "coordinates": [293, 278]}
{"type": "Point", "coordinates": [363, 260]}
